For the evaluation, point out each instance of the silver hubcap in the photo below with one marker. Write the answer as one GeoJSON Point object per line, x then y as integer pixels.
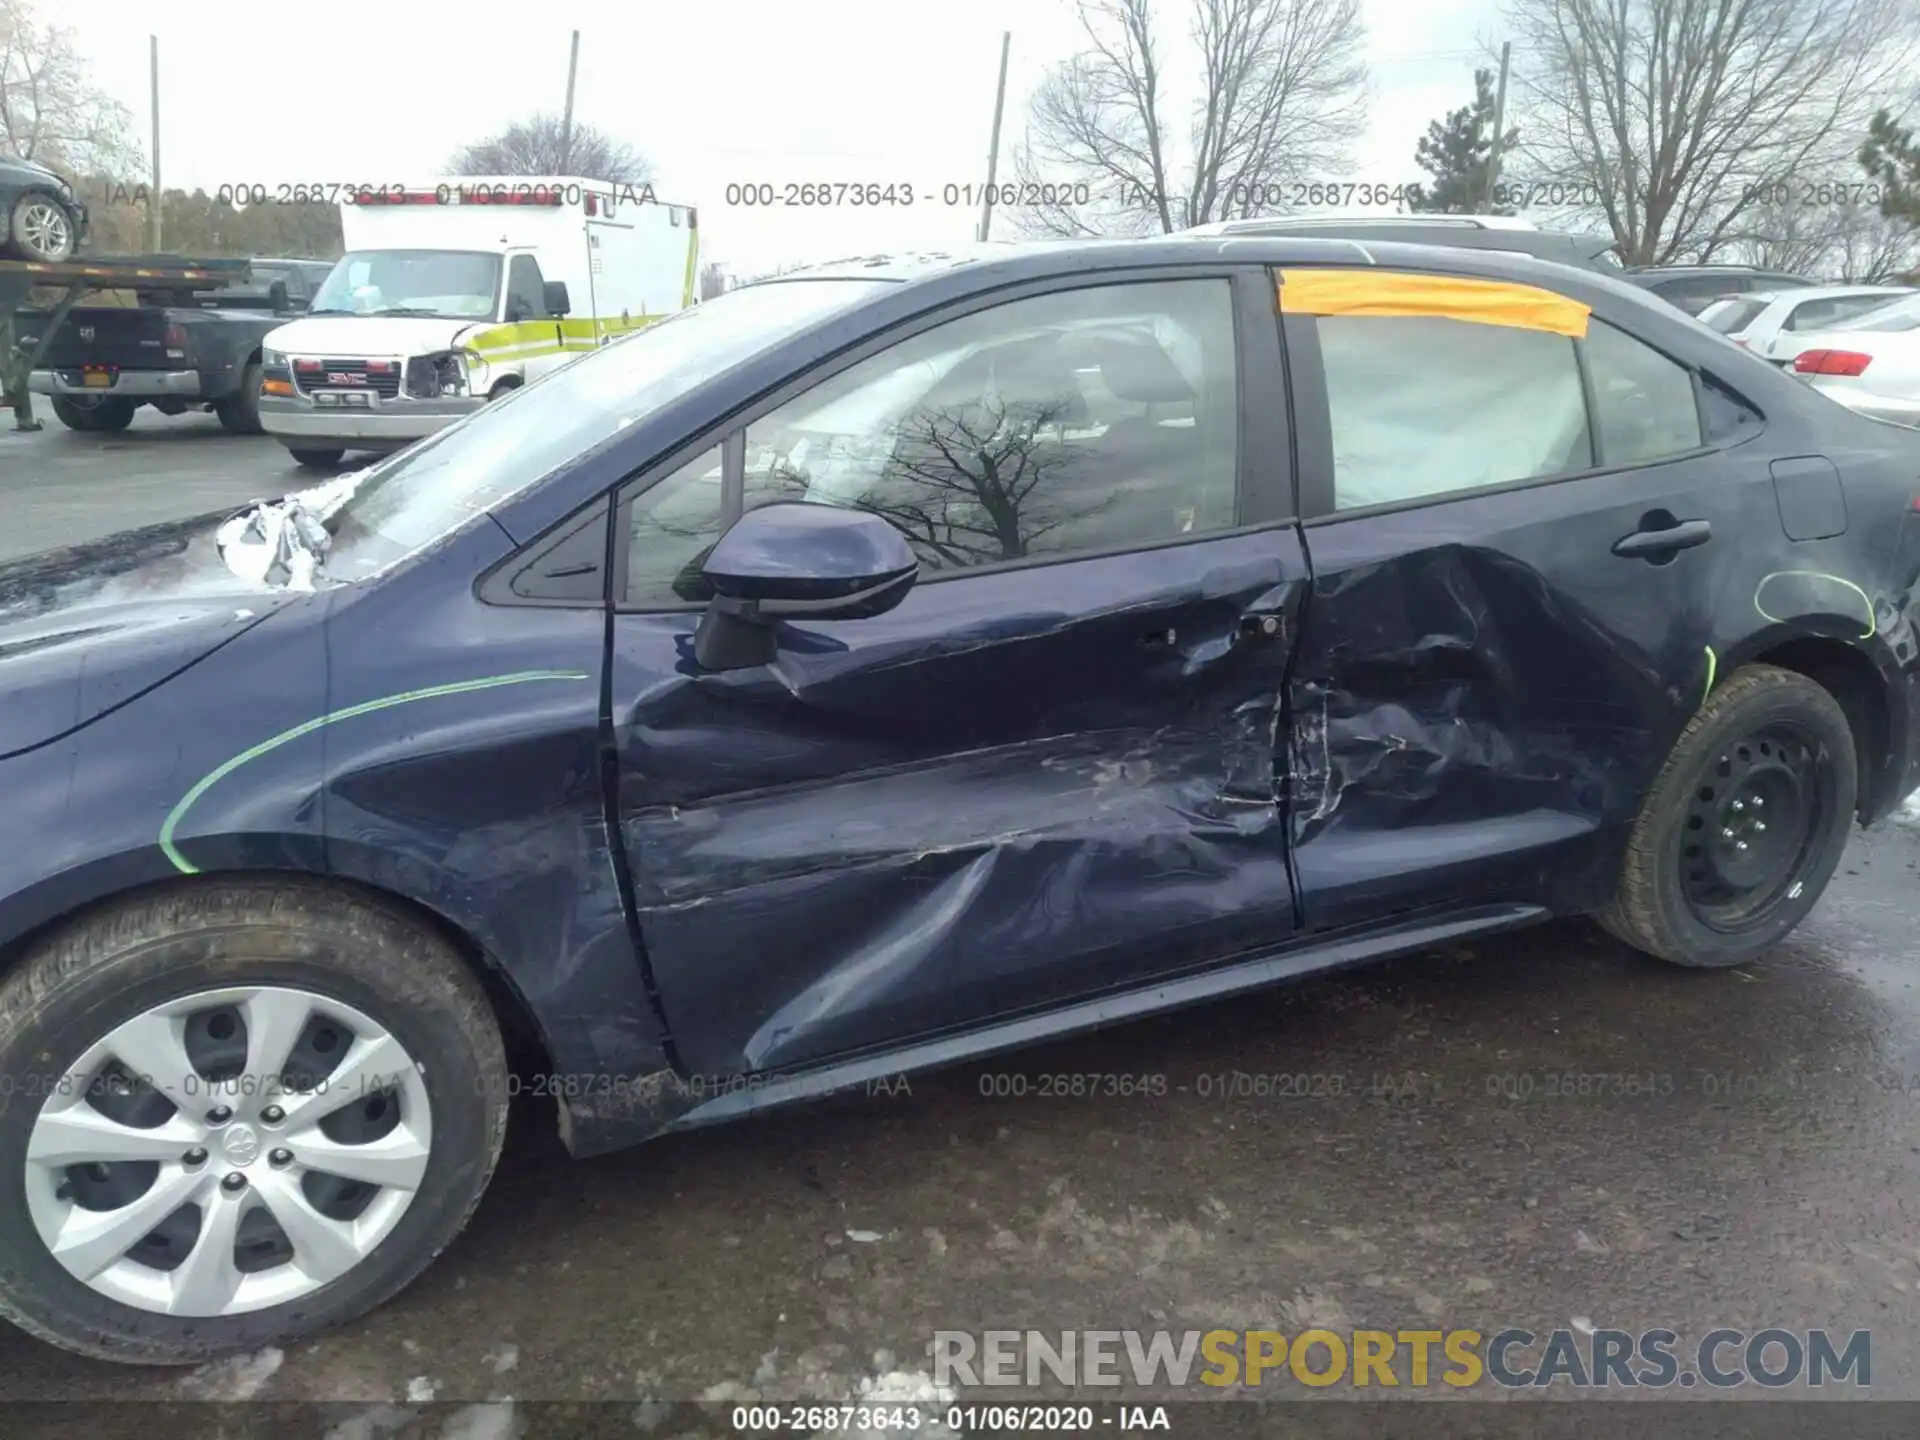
{"type": "Point", "coordinates": [44, 228]}
{"type": "Point", "coordinates": [228, 1151]}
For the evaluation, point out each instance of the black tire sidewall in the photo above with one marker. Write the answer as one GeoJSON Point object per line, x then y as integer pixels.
{"type": "Point", "coordinates": [77, 418]}
{"type": "Point", "coordinates": [46, 1296]}
{"type": "Point", "coordinates": [311, 458]}
{"type": "Point", "coordinates": [1808, 706]}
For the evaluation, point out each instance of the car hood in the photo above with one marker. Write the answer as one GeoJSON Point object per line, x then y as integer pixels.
{"type": "Point", "coordinates": [88, 628]}
{"type": "Point", "coordinates": [350, 336]}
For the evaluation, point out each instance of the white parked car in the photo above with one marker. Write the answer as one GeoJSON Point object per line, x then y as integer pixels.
{"type": "Point", "coordinates": [1774, 324]}
{"type": "Point", "coordinates": [1873, 366]}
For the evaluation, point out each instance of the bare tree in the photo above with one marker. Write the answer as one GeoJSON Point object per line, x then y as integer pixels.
{"type": "Point", "coordinates": [541, 145]}
{"type": "Point", "coordinates": [50, 110]}
{"type": "Point", "coordinates": [714, 280]}
{"type": "Point", "coordinates": [1676, 115]}
{"type": "Point", "coordinates": [1281, 98]}
{"type": "Point", "coordinates": [1849, 241]}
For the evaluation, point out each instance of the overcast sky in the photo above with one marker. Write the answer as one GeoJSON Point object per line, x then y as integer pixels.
{"type": "Point", "coordinates": [713, 91]}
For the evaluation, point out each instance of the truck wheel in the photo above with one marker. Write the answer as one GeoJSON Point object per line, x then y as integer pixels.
{"type": "Point", "coordinates": [242, 1112]}
{"type": "Point", "coordinates": [109, 413]}
{"type": "Point", "coordinates": [317, 459]}
{"type": "Point", "coordinates": [240, 412]}
{"type": "Point", "coordinates": [1744, 826]}
{"type": "Point", "coordinates": [41, 229]}
{"type": "Point", "coordinates": [75, 417]}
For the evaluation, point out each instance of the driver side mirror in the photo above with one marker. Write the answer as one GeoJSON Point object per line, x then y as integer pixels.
{"type": "Point", "coordinates": [792, 560]}
{"type": "Point", "coordinates": [278, 298]}
{"type": "Point", "coordinates": [554, 296]}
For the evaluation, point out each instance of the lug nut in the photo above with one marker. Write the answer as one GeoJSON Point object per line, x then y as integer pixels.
{"type": "Point", "coordinates": [1739, 804]}
{"type": "Point", "coordinates": [219, 1115]}
{"type": "Point", "coordinates": [1759, 826]}
{"type": "Point", "coordinates": [1741, 845]}
{"type": "Point", "coordinates": [273, 1114]}
{"type": "Point", "coordinates": [281, 1157]}
{"type": "Point", "coordinates": [1758, 803]}
{"type": "Point", "coordinates": [195, 1156]}
{"type": "Point", "coordinates": [1727, 833]}
{"type": "Point", "coordinates": [234, 1182]}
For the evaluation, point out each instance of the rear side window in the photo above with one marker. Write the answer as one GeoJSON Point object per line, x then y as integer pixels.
{"type": "Point", "coordinates": [1643, 403]}
{"type": "Point", "coordinates": [1425, 406]}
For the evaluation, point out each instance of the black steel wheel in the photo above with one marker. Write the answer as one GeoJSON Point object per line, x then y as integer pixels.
{"type": "Point", "coordinates": [1745, 825]}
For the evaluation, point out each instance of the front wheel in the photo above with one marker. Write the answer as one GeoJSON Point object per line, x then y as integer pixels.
{"type": "Point", "coordinates": [233, 1115]}
{"type": "Point", "coordinates": [317, 459]}
{"type": "Point", "coordinates": [1745, 825]}
{"type": "Point", "coordinates": [42, 230]}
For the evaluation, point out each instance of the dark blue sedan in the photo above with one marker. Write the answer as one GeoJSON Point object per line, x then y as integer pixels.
{"type": "Point", "coordinates": [878, 667]}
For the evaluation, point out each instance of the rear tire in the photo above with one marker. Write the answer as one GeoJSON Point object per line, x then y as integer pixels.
{"type": "Point", "coordinates": [317, 459]}
{"type": "Point", "coordinates": [266, 965]}
{"type": "Point", "coordinates": [106, 414]}
{"type": "Point", "coordinates": [1744, 826]}
{"type": "Point", "coordinates": [240, 412]}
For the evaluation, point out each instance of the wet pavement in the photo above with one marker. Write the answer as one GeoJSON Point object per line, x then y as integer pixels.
{"type": "Point", "coordinates": [1542, 1131]}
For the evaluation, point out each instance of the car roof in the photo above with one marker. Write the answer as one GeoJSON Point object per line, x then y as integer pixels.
{"type": "Point", "coordinates": [981, 266]}
{"type": "Point", "coordinates": [1270, 224]}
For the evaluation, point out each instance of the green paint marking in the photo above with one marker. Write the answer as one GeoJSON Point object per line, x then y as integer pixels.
{"type": "Point", "coordinates": [1713, 669]}
{"type": "Point", "coordinates": [366, 707]}
{"type": "Point", "coordinates": [1873, 620]}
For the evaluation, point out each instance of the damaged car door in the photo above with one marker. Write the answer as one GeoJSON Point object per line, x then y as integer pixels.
{"type": "Point", "coordinates": [1049, 771]}
{"type": "Point", "coordinates": [1520, 519]}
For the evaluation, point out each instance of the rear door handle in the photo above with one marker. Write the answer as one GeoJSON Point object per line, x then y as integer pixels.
{"type": "Point", "coordinates": [1658, 544]}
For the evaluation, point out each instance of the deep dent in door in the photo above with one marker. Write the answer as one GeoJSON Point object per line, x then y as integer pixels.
{"type": "Point", "coordinates": [898, 873]}
{"type": "Point", "coordinates": [1411, 695]}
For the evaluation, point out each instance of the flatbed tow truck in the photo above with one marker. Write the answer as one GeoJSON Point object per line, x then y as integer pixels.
{"type": "Point", "coordinates": [77, 279]}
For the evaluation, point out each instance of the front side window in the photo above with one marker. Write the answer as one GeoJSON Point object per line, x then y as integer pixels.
{"type": "Point", "coordinates": [526, 290]}
{"type": "Point", "coordinates": [1422, 406]}
{"type": "Point", "coordinates": [1087, 420]}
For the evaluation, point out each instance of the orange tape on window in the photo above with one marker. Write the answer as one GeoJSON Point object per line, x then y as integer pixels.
{"type": "Point", "coordinates": [1391, 293]}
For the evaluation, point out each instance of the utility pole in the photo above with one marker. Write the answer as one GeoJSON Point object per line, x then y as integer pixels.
{"type": "Point", "coordinates": [1499, 122]}
{"type": "Point", "coordinates": [566, 119]}
{"type": "Point", "coordinates": [153, 195]}
{"type": "Point", "coordinates": [993, 146]}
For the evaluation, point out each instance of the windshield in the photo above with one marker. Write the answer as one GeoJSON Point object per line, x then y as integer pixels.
{"type": "Point", "coordinates": [451, 284]}
{"type": "Point", "coordinates": [428, 490]}
{"type": "Point", "coordinates": [1900, 315]}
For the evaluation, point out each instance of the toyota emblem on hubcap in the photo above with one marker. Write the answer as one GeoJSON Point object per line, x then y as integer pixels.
{"type": "Point", "coordinates": [240, 1145]}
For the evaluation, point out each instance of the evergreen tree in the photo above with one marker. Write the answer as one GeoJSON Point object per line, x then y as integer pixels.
{"type": "Point", "coordinates": [1456, 152]}
{"type": "Point", "coordinates": [1891, 157]}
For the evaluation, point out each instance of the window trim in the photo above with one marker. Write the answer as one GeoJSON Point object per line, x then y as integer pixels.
{"type": "Point", "coordinates": [1261, 481]}
{"type": "Point", "coordinates": [1313, 423]}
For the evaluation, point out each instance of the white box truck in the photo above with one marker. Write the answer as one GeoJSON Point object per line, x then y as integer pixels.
{"type": "Point", "coordinates": [454, 292]}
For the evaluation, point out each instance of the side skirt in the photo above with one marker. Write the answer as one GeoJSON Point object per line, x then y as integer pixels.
{"type": "Point", "coordinates": [659, 1104]}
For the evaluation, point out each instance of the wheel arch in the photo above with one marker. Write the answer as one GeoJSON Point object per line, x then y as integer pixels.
{"type": "Point", "coordinates": [1858, 680]}
{"type": "Point", "coordinates": [519, 1021]}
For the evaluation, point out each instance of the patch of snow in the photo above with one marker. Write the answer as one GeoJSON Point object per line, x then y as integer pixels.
{"type": "Point", "coordinates": [374, 1423]}
{"type": "Point", "coordinates": [238, 1377]}
{"type": "Point", "coordinates": [1909, 810]}
{"type": "Point", "coordinates": [420, 1390]}
{"type": "Point", "coordinates": [491, 1420]}
{"type": "Point", "coordinates": [503, 1358]}
{"type": "Point", "coordinates": [863, 1237]}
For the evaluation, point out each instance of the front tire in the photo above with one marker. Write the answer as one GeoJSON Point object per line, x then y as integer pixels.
{"type": "Point", "coordinates": [1744, 826]}
{"type": "Point", "coordinates": [240, 1112]}
{"type": "Point", "coordinates": [317, 459]}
